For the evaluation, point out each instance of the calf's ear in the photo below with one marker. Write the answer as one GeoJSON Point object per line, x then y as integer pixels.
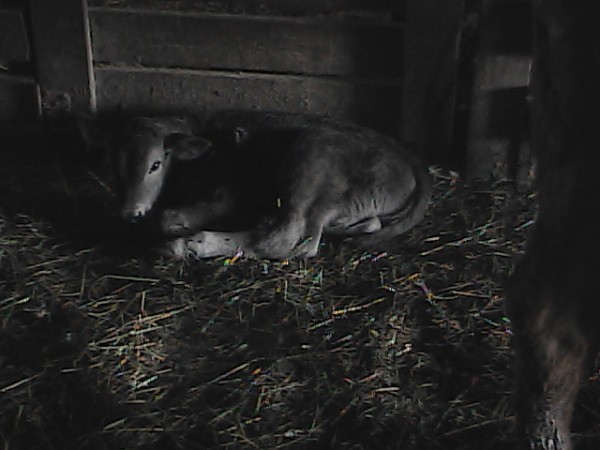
{"type": "Point", "coordinates": [185, 147]}
{"type": "Point", "coordinates": [241, 135]}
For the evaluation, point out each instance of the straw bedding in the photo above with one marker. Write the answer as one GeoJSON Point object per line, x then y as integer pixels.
{"type": "Point", "coordinates": [105, 345]}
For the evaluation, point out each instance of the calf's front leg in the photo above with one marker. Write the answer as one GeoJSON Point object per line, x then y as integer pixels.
{"type": "Point", "coordinates": [184, 220]}
{"type": "Point", "coordinates": [208, 244]}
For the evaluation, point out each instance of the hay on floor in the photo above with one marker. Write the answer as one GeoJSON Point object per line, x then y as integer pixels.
{"type": "Point", "coordinates": [105, 346]}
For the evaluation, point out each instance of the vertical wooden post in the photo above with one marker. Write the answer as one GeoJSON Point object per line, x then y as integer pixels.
{"type": "Point", "coordinates": [19, 94]}
{"type": "Point", "coordinates": [431, 44]}
{"type": "Point", "coordinates": [62, 51]}
{"type": "Point", "coordinates": [498, 117]}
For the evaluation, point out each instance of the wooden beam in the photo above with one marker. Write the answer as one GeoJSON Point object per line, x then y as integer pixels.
{"type": "Point", "coordinates": [246, 43]}
{"type": "Point", "coordinates": [19, 99]}
{"type": "Point", "coordinates": [63, 56]}
{"type": "Point", "coordinates": [431, 57]}
{"type": "Point", "coordinates": [272, 8]}
{"type": "Point", "coordinates": [498, 122]}
{"type": "Point", "coordinates": [152, 90]}
{"type": "Point", "coordinates": [14, 46]}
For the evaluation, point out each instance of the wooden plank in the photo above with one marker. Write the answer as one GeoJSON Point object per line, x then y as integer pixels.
{"type": "Point", "coordinates": [14, 46]}
{"type": "Point", "coordinates": [498, 114]}
{"type": "Point", "coordinates": [509, 40]}
{"type": "Point", "coordinates": [432, 35]}
{"type": "Point", "coordinates": [145, 90]}
{"type": "Point", "coordinates": [261, 44]}
{"type": "Point", "coordinates": [503, 71]}
{"type": "Point", "coordinates": [62, 53]}
{"type": "Point", "coordinates": [19, 99]}
{"type": "Point", "coordinates": [287, 8]}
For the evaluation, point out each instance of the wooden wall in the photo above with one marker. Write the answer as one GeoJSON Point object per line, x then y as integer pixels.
{"type": "Point", "coordinates": [19, 98]}
{"type": "Point", "coordinates": [497, 144]}
{"type": "Point", "coordinates": [431, 52]}
{"type": "Point", "coordinates": [336, 58]}
{"type": "Point", "coordinates": [387, 64]}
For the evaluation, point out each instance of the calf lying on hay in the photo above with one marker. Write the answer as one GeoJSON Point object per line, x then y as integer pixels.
{"type": "Point", "coordinates": [104, 347]}
{"type": "Point", "coordinates": [306, 175]}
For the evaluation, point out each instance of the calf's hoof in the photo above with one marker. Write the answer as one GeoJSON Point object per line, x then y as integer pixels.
{"type": "Point", "coordinates": [174, 222]}
{"type": "Point", "coordinates": [196, 246]}
{"type": "Point", "coordinates": [176, 249]}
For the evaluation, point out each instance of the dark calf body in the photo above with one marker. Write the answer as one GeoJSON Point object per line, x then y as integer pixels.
{"type": "Point", "coordinates": [328, 178]}
{"type": "Point", "coordinates": [305, 175]}
{"type": "Point", "coordinates": [552, 297]}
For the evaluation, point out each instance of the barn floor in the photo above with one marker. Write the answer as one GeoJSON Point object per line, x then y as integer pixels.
{"type": "Point", "coordinates": [104, 345]}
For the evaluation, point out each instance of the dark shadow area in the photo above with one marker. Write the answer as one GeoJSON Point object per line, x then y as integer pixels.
{"type": "Point", "coordinates": [48, 174]}
{"type": "Point", "coordinates": [65, 407]}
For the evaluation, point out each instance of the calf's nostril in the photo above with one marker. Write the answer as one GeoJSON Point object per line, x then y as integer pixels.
{"type": "Point", "coordinates": [136, 216]}
{"type": "Point", "coordinates": [133, 216]}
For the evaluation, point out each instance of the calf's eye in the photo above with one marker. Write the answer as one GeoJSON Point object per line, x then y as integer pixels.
{"type": "Point", "coordinates": [155, 166]}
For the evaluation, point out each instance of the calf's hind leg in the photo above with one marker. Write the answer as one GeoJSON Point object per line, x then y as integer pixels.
{"type": "Point", "coordinates": [365, 226]}
{"type": "Point", "coordinates": [279, 241]}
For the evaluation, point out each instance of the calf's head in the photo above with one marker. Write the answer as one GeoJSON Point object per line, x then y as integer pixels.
{"type": "Point", "coordinates": [140, 152]}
